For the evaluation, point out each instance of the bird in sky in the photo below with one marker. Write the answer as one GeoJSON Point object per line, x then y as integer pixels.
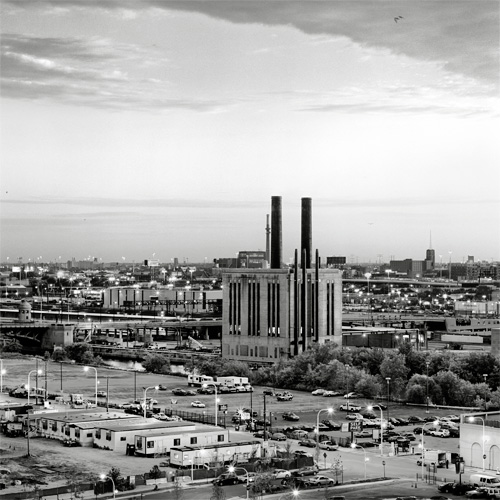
{"type": "Point", "coordinates": [396, 19]}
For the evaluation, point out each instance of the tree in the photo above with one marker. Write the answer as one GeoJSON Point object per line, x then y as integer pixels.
{"type": "Point", "coordinates": [156, 363]}
{"type": "Point", "coordinates": [79, 351]}
{"type": "Point", "coordinates": [12, 346]}
{"type": "Point", "coordinates": [154, 473]}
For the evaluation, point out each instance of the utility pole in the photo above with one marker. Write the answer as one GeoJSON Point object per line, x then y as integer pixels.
{"type": "Point", "coordinates": [265, 430]}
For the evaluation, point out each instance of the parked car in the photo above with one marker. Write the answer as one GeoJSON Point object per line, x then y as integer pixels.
{"type": "Point", "coordinates": [268, 392]}
{"type": "Point", "coordinates": [302, 453]}
{"type": "Point", "coordinates": [455, 488]}
{"type": "Point", "coordinates": [101, 394]}
{"type": "Point", "coordinates": [190, 392]}
{"type": "Point", "coordinates": [318, 392]}
{"type": "Point", "coordinates": [379, 406]}
{"type": "Point", "coordinates": [205, 390]}
{"type": "Point", "coordinates": [285, 397]}
{"type": "Point", "coordinates": [331, 394]}
{"type": "Point", "coordinates": [413, 419]}
{"type": "Point", "coordinates": [310, 443]}
{"type": "Point", "coordinates": [289, 415]}
{"type": "Point", "coordinates": [332, 425]}
{"type": "Point", "coordinates": [197, 404]}
{"type": "Point", "coordinates": [439, 433]}
{"type": "Point", "coordinates": [281, 474]}
{"type": "Point", "coordinates": [328, 445]}
{"type": "Point", "coordinates": [162, 387]}
{"type": "Point", "coordinates": [363, 434]}
{"type": "Point", "coordinates": [306, 471]}
{"type": "Point", "coordinates": [229, 478]}
{"type": "Point", "coordinates": [278, 436]}
{"type": "Point", "coordinates": [320, 481]}
{"type": "Point", "coordinates": [354, 416]}
{"type": "Point", "coordinates": [348, 407]}
{"type": "Point", "coordinates": [178, 391]}
{"type": "Point", "coordinates": [477, 493]}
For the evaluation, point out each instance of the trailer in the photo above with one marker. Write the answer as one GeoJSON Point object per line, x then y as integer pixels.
{"type": "Point", "coordinates": [195, 380]}
{"type": "Point", "coordinates": [439, 458]}
{"type": "Point", "coordinates": [215, 454]}
{"type": "Point", "coordinates": [231, 381]}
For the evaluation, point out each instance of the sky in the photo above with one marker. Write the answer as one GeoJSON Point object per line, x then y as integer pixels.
{"type": "Point", "coordinates": [155, 129]}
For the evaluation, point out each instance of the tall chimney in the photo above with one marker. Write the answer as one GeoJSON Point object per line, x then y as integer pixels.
{"type": "Point", "coordinates": [276, 243]}
{"type": "Point", "coordinates": [306, 232]}
{"type": "Point", "coordinates": [268, 235]}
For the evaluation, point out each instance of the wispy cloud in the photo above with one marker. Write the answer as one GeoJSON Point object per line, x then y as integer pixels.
{"type": "Point", "coordinates": [87, 72]}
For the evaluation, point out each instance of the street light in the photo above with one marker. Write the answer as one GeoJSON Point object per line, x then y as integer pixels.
{"type": "Point", "coordinates": [39, 372]}
{"type": "Point", "coordinates": [205, 385]}
{"type": "Point", "coordinates": [103, 477]}
{"type": "Point", "coordinates": [232, 468]}
{"type": "Point", "coordinates": [330, 411]}
{"type": "Point", "coordinates": [2, 373]}
{"type": "Point", "coordinates": [368, 276]}
{"type": "Point", "coordinates": [485, 376]}
{"type": "Point", "coordinates": [388, 395]}
{"type": "Point", "coordinates": [86, 369]}
{"type": "Point", "coordinates": [369, 408]}
{"type": "Point", "coordinates": [354, 445]}
{"type": "Point", "coordinates": [471, 419]}
{"type": "Point", "coordinates": [423, 447]}
{"type": "Point", "coordinates": [427, 363]}
{"type": "Point", "coordinates": [155, 387]}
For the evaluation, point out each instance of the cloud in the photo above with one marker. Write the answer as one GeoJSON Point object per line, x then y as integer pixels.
{"type": "Point", "coordinates": [462, 35]}
{"type": "Point", "coordinates": [88, 72]}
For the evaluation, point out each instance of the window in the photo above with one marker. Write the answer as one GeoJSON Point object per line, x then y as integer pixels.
{"type": "Point", "coordinates": [98, 434]}
{"type": "Point", "coordinates": [89, 434]}
{"type": "Point", "coordinates": [193, 440]}
{"type": "Point", "coordinates": [150, 444]}
{"type": "Point", "coordinates": [108, 435]}
{"type": "Point", "coordinates": [54, 426]}
{"type": "Point", "coordinates": [177, 442]}
{"type": "Point", "coordinates": [44, 425]}
{"type": "Point", "coordinates": [77, 432]}
{"type": "Point", "coordinates": [123, 438]}
{"type": "Point", "coordinates": [220, 438]}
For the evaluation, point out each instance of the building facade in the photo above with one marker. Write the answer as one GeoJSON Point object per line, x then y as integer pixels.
{"type": "Point", "coordinates": [278, 313]}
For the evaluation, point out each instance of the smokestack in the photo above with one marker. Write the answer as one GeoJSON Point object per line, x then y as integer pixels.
{"type": "Point", "coordinates": [306, 232]}
{"type": "Point", "coordinates": [276, 244]}
{"type": "Point", "coordinates": [268, 235]}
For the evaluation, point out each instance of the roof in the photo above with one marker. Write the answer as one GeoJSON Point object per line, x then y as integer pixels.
{"type": "Point", "coordinates": [78, 417]}
{"type": "Point", "coordinates": [144, 424]}
{"type": "Point", "coordinates": [194, 430]}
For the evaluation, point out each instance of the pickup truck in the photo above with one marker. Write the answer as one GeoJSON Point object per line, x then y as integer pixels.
{"type": "Point", "coordinates": [347, 407]}
{"type": "Point", "coordinates": [285, 396]}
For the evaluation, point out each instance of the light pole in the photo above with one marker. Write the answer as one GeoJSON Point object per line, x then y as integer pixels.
{"type": "Point", "coordinates": [205, 385]}
{"type": "Point", "coordinates": [368, 276]}
{"type": "Point", "coordinates": [103, 477]}
{"type": "Point", "coordinates": [485, 376]}
{"type": "Point", "coordinates": [369, 408]}
{"type": "Point", "coordinates": [2, 373]}
{"type": "Point", "coordinates": [354, 445]}
{"type": "Point", "coordinates": [329, 411]}
{"type": "Point", "coordinates": [232, 468]}
{"type": "Point", "coordinates": [388, 379]}
{"type": "Point", "coordinates": [86, 369]}
{"type": "Point", "coordinates": [423, 447]}
{"type": "Point", "coordinates": [427, 363]}
{"type": "Point", "coordinates": [39, 372]}
{"type": "Point", "coordinates": [155, 387]}
{"type": "Point", "coordinates": [471, 419]}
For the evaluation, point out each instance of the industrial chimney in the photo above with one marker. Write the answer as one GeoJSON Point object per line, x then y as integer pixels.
{"type": "Point", "coordinates": [276, 243]}
{"type": "Point", "coordinates": [306, 233]}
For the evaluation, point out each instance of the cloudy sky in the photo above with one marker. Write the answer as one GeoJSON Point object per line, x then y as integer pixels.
{"type": "Point", "coordinates": [133, 128]}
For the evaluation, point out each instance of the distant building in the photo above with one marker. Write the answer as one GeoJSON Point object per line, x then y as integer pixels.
{"type": "Point", "coordinates": [336, 262]}
{"type": "Point", "coordinates": [252, 259]}
{"type": "Point", "coordinates": [409, 267]}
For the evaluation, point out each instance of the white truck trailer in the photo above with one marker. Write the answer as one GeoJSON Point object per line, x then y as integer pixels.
{"type": "Point", "coordinates": [215, 454]}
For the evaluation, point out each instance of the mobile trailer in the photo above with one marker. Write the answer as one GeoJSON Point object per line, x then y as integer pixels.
{"type": "Point", "coordinates": [220, 453]}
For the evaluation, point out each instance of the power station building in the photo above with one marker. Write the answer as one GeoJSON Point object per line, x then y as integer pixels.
{"type": "Point", "coordinates": [280, 312]}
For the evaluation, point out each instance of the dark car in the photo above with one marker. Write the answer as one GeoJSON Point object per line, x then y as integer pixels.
{"type": "Point", "coordinates": [268, 392]}
{"type": "Point", "coordinates": [306, 471]}
{"type": "Point", "coordinates": [302, 453]}
{"type": "Point", "coordinates": [403, 421]}
{"type": "Point", "coordinates": [307, 442]}
{"type": "Point", "coordinates": [229, 478]}
{"type": "Point", "coordinates": [289, 415]}
{"type": "Point", "coordinates": [455, 488]}
{"type": "Point", "coordinates": [162, 387]}
{"type": "Point", "coordinates": [205, 390]}
{"type": "Point", "coordinates": [413, 419]}
{"type": "Point", "coordinates": [179, 391]}
{"type": "Point", "coordinates": [332, 425]}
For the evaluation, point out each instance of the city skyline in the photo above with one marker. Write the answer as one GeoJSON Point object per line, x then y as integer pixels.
{"type": "Point", "coordinates": [156, 127]}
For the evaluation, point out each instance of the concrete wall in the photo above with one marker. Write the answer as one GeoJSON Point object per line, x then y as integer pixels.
{"type": "Point", "coordinates": [471, 438]}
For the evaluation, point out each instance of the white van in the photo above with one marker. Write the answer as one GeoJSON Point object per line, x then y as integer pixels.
{"type": "Point", "coordinates": [483, 480]}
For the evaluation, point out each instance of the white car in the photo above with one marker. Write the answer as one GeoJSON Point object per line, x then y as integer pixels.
{"type": "Point", "coordinates": [318, 392]}
{"type": "Point", "coordinates": [197, 404]}
{"type": "Point", "coordinates": [281, 474]}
